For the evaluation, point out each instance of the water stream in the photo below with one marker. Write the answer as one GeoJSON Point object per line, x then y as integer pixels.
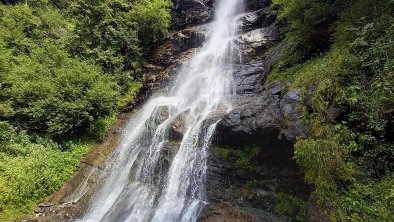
{"type": "Point", "coordinates": [158, 171]}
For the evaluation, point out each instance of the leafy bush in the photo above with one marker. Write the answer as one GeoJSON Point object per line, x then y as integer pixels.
{"type": "Point", "coordinates": [56, 99]}
{"type": "Point", "coordinates": [113, 32]}
{"type": "Point", "coordinates": [66, 69]}
{"type": "Point", "coordinates": [368, 201]}
{"type": "Point", "coordinates": [30, 171]}
{"type": "Point", "coordinates": [347, 110]}
{"type": "Point", "coordinates": [290, 206]}
{"type": "Point", "coordinates": [308, 27]}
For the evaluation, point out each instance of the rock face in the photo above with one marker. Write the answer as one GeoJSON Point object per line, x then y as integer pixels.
{"type": "Point", "coordinates": [256, 41]}
{"type": "Point", "coordinates": [255, 19]}
{"type": "Point", "coordinates": [263, 110]}
{"type": "Point", "coordinates": [188, 13]}
{"type": "Point", "coordinates": [266, 118]}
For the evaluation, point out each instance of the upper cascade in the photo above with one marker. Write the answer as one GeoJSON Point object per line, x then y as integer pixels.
{"type": "Point", "coordinates": [154, 175]}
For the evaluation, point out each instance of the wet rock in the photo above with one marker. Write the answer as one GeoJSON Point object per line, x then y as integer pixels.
{"type": "Point", "coordinates": [170, 148]}
{"type": "Point", "coordinates": [159, 115]}
{"type": "Point", "coordinates": [178, 126]}
{"type": "Point", "coordinates": [261, 115]}
{"type": "Point", "coordinates": [257, 112]}
{"type": "Point", "coordinates": [253, 193]}
{"type": "Point", "coordinates": [255, 20]}
{"type": "Point", "coordinates": [265, 116]}
{"type": "Point", "coordinates": [258, 37]}
{"type": "Point", "coordinates": [248, 78]}
{"type": "Point", "coordinates": [167, 59]}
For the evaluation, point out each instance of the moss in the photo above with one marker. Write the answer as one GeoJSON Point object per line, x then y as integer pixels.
{"type": "Point", "coordinates": [290, 206]}
{"type": "Point", "coordinates": [246, 157]}
{"type": "Point", "coordinates": [222, 152]}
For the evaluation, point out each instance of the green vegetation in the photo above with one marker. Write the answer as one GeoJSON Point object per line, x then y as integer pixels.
{"type": "Point", "coordinates": [66, 69]}
{"type": "Point", "coordinates": [347, 84]}
{"type": "Point", "coordinates": [246, 158]}
{"type": "Point", "coordinates": [290, 206]}
{"type": "Point", "coordinates": [32, 168]}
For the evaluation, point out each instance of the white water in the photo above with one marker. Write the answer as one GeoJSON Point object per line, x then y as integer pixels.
{"type": "Point", "coordinates": [138, 186]}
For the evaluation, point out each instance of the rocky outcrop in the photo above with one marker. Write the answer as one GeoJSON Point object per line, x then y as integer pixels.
{"type": "Point", "coordinates": [255, 20]}
{"type": "Point", "coordinates": [187, 13]}
{"type": "Point", "coordinates": [263, 110]}
{"type": "Point", "coordinates": [265, 117]}
{"type": "Point", "coordinates": [256, 41]}
{"type": "Point", "coordinates": [168, 57]}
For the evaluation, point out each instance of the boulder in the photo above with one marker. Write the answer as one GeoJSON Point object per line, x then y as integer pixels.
{"type": "Point", "coordinates": [178, 127]}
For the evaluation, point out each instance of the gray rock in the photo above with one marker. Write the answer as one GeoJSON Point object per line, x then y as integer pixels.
{"type": "Point", "coordinates": [188, 13]}
{"type": "Point", "coordinates": [39, 210]}
{"type": "Point", "coordinates": [261, 115]}
{"type": "Point", "coordinates": [255, 20]}
{"type": "Point", "coordinates": [176, 43]}
{"type": "Point", "coordinates": [255, 41]}
{"type": "Point", "coordinates": [291, 127]}
{"type": "Point", "coordinates": [258, 37]}
{"type": "Point", "coordinates": [45, 204]}
{"type": "Point", "coordinates": [177, 127]}
{"type": "Point", "coordinates": [159, 115]}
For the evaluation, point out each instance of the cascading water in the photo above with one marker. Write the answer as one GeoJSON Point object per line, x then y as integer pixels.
{"type": "Point", "coordinates": [145, 180]}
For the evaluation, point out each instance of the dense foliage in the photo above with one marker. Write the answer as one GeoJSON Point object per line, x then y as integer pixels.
{"type": "Point", "coordinates": [66, 69]}
{"type": "Point", "coordinates": [32, 168]}
{"type": "Point", "coordinates": [348, 86]}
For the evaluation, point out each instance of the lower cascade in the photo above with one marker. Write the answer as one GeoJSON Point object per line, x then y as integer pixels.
{"type": "Point", "coordinates": [158, 172]}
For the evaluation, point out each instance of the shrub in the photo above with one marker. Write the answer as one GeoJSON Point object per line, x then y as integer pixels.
{"type": "Point", "coordinates": [30, 171]}
{"type": "Point", "coordinates": [347, 92]}
{"type": "Point", "coordinates": [290, 206]}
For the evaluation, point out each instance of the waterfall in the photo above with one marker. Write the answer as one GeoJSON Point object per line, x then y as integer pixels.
{"type": "Point", "coordinates": [157, 174]}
